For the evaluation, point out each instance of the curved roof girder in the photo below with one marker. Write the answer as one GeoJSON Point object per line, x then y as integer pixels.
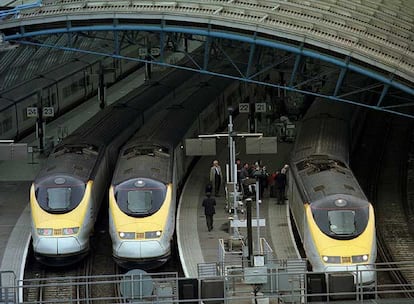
{"type": "Point", "coordinates": [379, 34]}
{"type": "Point", "coordinates": [251, 38]}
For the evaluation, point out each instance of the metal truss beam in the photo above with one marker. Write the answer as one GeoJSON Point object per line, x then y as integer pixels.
{"type": "Point", "coordinates": [299, 51]}
{"type": "Point", "coordinates": [203, 71]}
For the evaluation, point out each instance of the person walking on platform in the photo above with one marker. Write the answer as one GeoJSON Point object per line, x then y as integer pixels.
{"type": "Point", "coordinates": [209, 210]}
{"type": "Point", "coordinates": [209, 188]}
{"type": "Point", "coordinates": [215, 177]}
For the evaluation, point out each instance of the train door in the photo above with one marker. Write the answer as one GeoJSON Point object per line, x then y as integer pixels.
{"type": "Point", "coordinates": [49, 99]}
{"type": "Point", "coordinates": [25, 122]}
{"type": "Point", "coordinates": [8, 122]}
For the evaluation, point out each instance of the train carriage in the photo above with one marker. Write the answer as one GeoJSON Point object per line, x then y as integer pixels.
{"type": "Point", "coordinates": [8, 118]}
{"type": "Point", "coordinates": [67, 193]}
{"type": "Point", "coordinates": [334, 218]}
{"type": "Point", "coordinates": [152, 167]}
{"type": "Point", "coordinates": [62, 88]}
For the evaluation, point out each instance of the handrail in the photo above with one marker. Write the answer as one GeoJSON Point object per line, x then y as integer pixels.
{"type": "Point", "coordinates": [16, 10]}
{"type": "Point", "coordinates": [363, 35]}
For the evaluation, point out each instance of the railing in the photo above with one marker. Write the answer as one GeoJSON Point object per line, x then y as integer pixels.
{"type": "Point", "coordinates": [283, 281]}
{"type": "Point", "coordinates": [231, 255]}
{"type": "Point", "coordinates": [266, 250]}
{"type": "Point", "coordinates": [16, 10]}
{"type": "Point", "coordinates": [8, 287]}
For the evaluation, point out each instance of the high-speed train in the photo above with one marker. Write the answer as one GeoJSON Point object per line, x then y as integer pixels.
{"type": "Point", "coordinates": [334, 218]}
{"type": "Point", "coordinates": [152, 167]}
{"type": "Point", "coordinates": [66, 195]}
{"type": "Point", "coordinates": [62, 88]}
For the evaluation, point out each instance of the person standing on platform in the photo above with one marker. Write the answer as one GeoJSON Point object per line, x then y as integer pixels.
{"type": "Point", "coordinates": [215, 177]}
{"type": "Point", "coordinates": [281, 186]}
{"type": "Point", "coordinates": [209, 210]}
{"type": "Point", "coordinates": [244, 172]}
{"type": "Point", "coordinates": [272, 184]}
{"type": "Point", "coordinates": [239, 167]}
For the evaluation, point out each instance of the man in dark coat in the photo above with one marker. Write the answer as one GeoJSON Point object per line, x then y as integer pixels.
{"type": "Point", "coordinates": [281, 187]}
{"type": "Point", "coordinates": [209, 210]}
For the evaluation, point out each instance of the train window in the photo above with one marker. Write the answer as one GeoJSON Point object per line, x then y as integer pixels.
{"type": "Point", "coordinates": [59, 194]}
{"type": "Point", "coordinates": [7, 124]}
{"type": "Point", "coordinates": [53, 99]}
{"type": "Point", "coordinates": [86, 80]}
{"type": "Point", "coordinates": [59, 198]}
{"type": "Point", "coordinates": [24, 114]}
{"type": "Point", "coordinates": [67, 91]}
{"type": "Point", "coordinates": [1, 129]}
{"type": "Point", "coordinates": [342, 222]}
{"type": "Point", "coordinates": [140, 197]}
{"type": "Point", "coordinates": [339, 220]}
{"type": "Point", "coordinates": [139, 201]}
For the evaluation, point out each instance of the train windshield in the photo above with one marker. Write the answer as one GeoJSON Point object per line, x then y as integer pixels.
{"type": "Point", "coordinates": [140, 197]}
{"type": "Point", "coordinates": [59, 194]}
{"type": "Point", "coordinates": [346, 222]}
{"type": "Point", "coordinates": [139, 201]}
{"type": "Point", "coordinates": [342, 222]}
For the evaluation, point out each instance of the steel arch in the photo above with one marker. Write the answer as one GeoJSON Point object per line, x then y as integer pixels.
{"type": "Point", "coordinates": [403, 108]}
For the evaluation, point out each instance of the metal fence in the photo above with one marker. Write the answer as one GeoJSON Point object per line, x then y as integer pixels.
{"type": "Point", "coordinates": [283, 281]}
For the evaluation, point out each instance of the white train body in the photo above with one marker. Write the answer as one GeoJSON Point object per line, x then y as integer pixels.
{"type": "Point", "coordinates": [335, 220]}
{"type": "Point", "coordinates": [154, 162]}
{"type": "Point", "coordinates": [67, 193]}
{"type": "Point", "coordinates": [62, 88]}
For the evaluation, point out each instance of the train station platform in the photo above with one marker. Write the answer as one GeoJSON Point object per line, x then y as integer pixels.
{"type": "Point", "coordinates": [197, 246]}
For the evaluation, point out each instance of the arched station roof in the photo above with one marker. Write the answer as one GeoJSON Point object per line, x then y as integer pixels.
{"type": "Point", "coordinates": [374, 39]}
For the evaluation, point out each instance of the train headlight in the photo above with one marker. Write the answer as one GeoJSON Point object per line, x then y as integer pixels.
{"type": "Point", "coordinates": [70, 231]}
{"type": "Point", "coordinates": [360, 258]}
{"type": "Point", "coordinates": [153, 234]}
{"type": "Point", "coordinates": [127, 235]}
{"type": "Point", "coordinates": [45, 231]}
{"type": "Point", "coordinates": [331, 259]}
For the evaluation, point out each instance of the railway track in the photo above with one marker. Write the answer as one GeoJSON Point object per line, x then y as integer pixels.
{"type": "Point", "coordinates": [391, 203]}
{"type": "Point", "coordinates": [58, 285]}
{"type": "Point", "coordinates": [96, 279]}
{"type": "Point", "coordinates": [84, 282]}
{"type": "Point", "coordinates": [381, 167]}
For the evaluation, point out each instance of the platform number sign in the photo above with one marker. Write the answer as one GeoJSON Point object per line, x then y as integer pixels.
{"type": "Point", "coordinates": [31, 112]}
{"type": "Point", "coordinates": [244, 107]}
{"type": "Point", "coordinates": [48, 112]}
{"type": "Point", "coordinates": [260, 107]}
